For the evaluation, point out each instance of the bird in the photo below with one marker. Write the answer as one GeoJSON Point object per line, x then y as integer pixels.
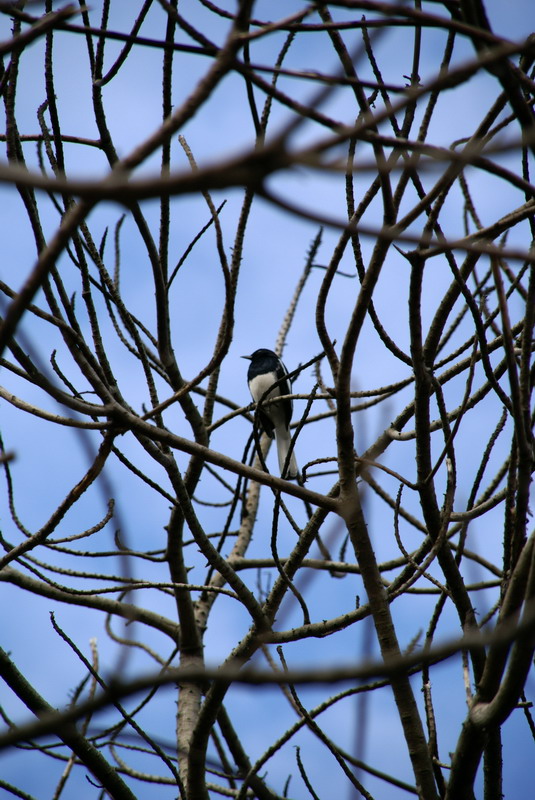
{"type": "Point", "coordinates": [265, 369]}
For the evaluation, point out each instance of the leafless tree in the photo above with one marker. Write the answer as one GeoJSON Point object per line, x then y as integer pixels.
{"type": "Point", "coordinates": [369, 629]}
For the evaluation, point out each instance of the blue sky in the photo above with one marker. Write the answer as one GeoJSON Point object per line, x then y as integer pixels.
{"type": "Point", "coordinates": [49, 461]}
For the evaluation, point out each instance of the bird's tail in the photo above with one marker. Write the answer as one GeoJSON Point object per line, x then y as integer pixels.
{"type": "Point", "coordinates": [283, 439]}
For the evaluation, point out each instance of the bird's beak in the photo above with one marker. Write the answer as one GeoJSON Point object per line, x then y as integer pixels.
{"type": "Point", "coordinates": [247, 357]}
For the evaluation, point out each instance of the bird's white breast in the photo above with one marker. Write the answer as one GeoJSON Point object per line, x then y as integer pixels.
{"type": "Point", "coordinates": [261, 383]}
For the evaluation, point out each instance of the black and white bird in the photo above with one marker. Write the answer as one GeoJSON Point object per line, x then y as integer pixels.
{"type": "Point", "coordinates": [265, 369]}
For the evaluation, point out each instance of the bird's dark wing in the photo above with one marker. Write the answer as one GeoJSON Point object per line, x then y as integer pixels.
{"type": "Point", "coordinates": [285, 387]}
{"type": "Point", "coordinates": [266, 423]}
